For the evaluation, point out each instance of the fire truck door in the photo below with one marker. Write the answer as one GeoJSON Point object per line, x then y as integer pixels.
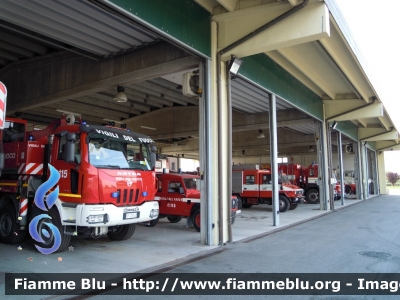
{"type": "Point", "coordinates": [173, 203]}
{"type": "Point", "coordinates": [265, 182]}
{"type": "Point", "coordinates": [250, 186]}
{"type": "Point", "coordinates": [69, 171]}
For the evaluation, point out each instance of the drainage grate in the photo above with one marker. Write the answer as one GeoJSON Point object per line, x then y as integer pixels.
{"type": "Point", "coordinates": [374, 254]}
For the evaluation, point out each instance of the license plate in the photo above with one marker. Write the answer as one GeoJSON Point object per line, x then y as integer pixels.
{"type": "Point", "coordinates": [132, 215]}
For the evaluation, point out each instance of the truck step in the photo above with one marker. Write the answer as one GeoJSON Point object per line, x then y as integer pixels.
{"type": "Point", "coordinates": [70, 221]}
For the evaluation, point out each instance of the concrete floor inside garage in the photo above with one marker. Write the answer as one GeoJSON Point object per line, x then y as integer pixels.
{"type": "Point", "coordinates": [150, 249]}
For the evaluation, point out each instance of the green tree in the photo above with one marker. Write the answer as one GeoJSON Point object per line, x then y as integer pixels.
{"type": "Point", "coordinates": [392, 177]}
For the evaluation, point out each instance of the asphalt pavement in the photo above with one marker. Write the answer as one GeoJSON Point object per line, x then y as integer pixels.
{"type": "Point", "coordinates": [361, 238]}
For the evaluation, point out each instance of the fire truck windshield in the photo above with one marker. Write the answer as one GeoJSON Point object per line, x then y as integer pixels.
{"type": "Point", "coordinates": [190, 183]}
{"type": "Point", "coordinates": [118, 154]}
{"type": "Point", "coordinates": [284, 179]}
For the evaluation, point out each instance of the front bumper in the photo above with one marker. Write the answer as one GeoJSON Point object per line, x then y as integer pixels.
{"type": "Point", "coordinates": [110, 215]}
{"type": "Point", "coordinates": [298, 199]}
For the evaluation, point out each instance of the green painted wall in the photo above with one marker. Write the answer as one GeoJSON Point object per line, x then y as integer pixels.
{"type": "Point", "coordinates": [348, 128]}
{"type": "Point", "coordinates": [183, 20]}
{"type": "Point", "coordinates": [264, 71]}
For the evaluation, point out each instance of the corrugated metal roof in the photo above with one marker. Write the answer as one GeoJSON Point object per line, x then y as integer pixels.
{"type": "Point", "coordinates": [75, 25]}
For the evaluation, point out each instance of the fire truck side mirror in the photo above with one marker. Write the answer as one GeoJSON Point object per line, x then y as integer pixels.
{"type": "Point", "coordinates": [70, 147]}
{"type": "Point", "coordinates": [69, 151]}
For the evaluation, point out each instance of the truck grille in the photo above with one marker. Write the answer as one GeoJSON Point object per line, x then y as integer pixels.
{"type": "Point", "coordinates": [128, 196]}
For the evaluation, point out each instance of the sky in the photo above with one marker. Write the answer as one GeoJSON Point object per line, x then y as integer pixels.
{"type": "Point", "coordinates": [375, 28]}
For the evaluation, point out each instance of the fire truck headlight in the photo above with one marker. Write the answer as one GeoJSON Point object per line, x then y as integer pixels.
{"type": "Point", "coordinates": [154, 213]}
{"type": "Point", "coordinates": [96, 219]}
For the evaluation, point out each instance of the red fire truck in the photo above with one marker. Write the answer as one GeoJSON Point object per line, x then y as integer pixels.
{"type": "Point", "coordinates": [254, 186]}
{"type": "Point", "coordinates": [307, 178]}
{"type": "Point", "coordinates": [106, 180]}
{"type": "Point", "coordinates": [179, 197]}
{"type": "Point", "coordinates": [350, 186]}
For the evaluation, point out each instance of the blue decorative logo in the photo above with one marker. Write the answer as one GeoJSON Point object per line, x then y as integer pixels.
{"type": "Point", "coordinates": [40, 223]}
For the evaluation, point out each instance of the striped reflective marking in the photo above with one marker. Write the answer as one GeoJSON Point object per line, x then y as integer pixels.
{"type": "Point", "coordinates": [3, 99]}
{"type": "Point", "coordinates": [23, 207]}
{"type": "Point", "coordinates": [31, 168]}
{"type": "Point", "coordinates": [193, 200]}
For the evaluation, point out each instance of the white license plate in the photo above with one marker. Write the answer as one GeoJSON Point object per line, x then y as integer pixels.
{"type": "Point", "coordinates": [131, 215]}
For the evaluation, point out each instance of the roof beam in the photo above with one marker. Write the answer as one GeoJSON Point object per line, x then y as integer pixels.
{"type": "Point", "coordinates": [303, 65]}
{"type": "Point", "coordinates": [229, 5]}
{"type": "Point", "coordinates": [377, 134]}
{"type": "Point", "coordinates": [337, 49]}
{"type": "Point", "coordinates": [344, 110]}
{"type": "Point", "coordinates": [311, 23]}
{"type": "Point", "coordinates": [385, 122]}
{"type": "Point", "coordinates": [65, 75]}
{"type": "Point", "coordinates": [386, 145]}
{"type": "Point", "coordinates": [266, 125]}
{"type": "Point", "coordinates": [288, 66]}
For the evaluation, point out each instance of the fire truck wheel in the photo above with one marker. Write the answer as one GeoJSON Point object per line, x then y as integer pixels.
{"type": "Point", "coordinates": [47, 234]}
{"type": "Point", "coordinates": [239, 202]}
{"type": "Point", "coordinates": [9, 234]}
{"type": "Point", "coordinates": [121, 232]}
{"type": "Point", "coordinates": [174, 219]}
{"type": "Point", "coordinates": [293, 206]}
{"type": "Point", "coordinates": [284, 204]}
{"type": "Point", "coordinates": [196, 219]}
{"type": "Point", "coordinates": [312, 196]}
{"type": "Point", "coordinates": [246, 205]}
{"type": "Point", "coordinates": [233, 218]}
{"type": "Point", "coordinates": [347, 189]}
{"type": "Point", "coordinates": [152, 223]}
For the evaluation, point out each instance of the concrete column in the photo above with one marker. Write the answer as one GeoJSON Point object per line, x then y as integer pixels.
{"type": "Point", "coordinates": [358, 171]}
{"type": "Point", "coordinates": [324, 169]}
{"type": "Point", "coordinates": [381, 172]}
{"type": "Point", "coordinates": [340, 164]}
{"type": "Point", "coordinates": [376, 174]}
{"type": "Point", "coordinates": [205, 154]}
{"type": "Point", "coordinates": [273, 141]}
{"type": "Point", "coordinates": [214, 172]}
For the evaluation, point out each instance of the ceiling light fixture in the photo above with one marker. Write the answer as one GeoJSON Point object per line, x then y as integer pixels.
{"type": "Point", "coordinates": [260, 134]}
{"type": "Point", "coordinates": [334, 124]}
{"type": "Point", "coordinates": [120, 96]}
{"type": "Point", "coordinates": [234, 65]}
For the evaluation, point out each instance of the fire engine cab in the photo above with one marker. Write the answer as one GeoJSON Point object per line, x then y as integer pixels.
{"type": "Point", "coordinates": [179, 197]}
{"type": "Point", "coordinates": [254, 186]}
{"type": "Point", "coordinates": [105, 182]}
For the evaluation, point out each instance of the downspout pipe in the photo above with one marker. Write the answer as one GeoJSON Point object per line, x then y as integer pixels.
{"type": "Point", "coordinates": [219, 95]}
